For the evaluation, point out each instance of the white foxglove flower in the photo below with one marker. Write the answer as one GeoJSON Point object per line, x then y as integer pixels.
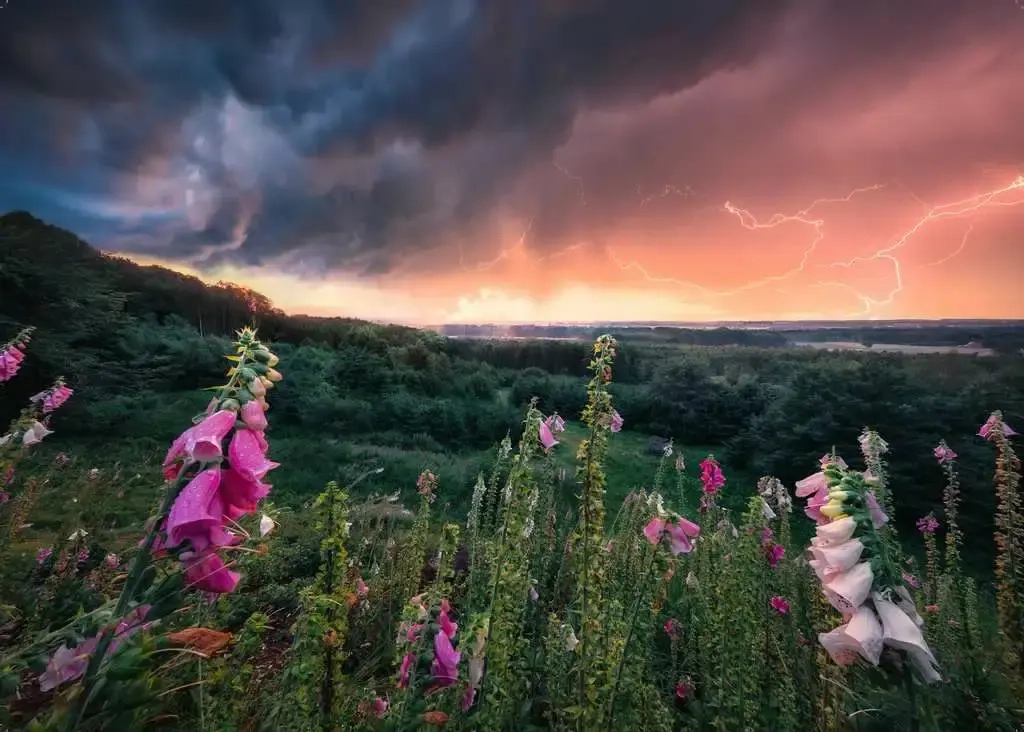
{"type": "Point", "coordinates": [267, 525]}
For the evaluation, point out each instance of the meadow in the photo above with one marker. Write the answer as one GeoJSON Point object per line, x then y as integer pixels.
{"type": "Point", "coordinates": [219, 517]}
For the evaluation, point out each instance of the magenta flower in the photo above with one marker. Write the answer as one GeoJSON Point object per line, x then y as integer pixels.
{"type": "Point", "coordinates": [445, 668]}
{"type": "Point", "coordinates": [203, 442]}
{"type": "Point", "coordinates": [10, 361]}
{"type": "Point", "coordinates": [403, 671]}
{"type": "Point", "coordinates": [206, 571]}
{"type": "Point", "coordinates": [775, 553]}
{"type": "Point", "coordinates": [380, 707]}
{"type": "Point", "coordinates": [362, 589]}
{"type": "Point", "coordinates": [448, 627]}
{"type": "Point", "coordinates": [616, 422]}
{"type": "Point", "coordinates": [944, 454]}
{"type": "Point", "coordinates": [986, 429]}
{"type": "Point", "coordinates": [253, 416]}
{"type": "Point", "coordinates": [468, 697]}
{"type": "Point", "coordinates": [779, 604]}
{"type": "Point", "coordinates": [54, 399]}
{"type": "Point", "coordinates": [684, 689]}
{"type": "Point", "coordinates": [911, 580]}
{"type": "Point", "coordinates": [711, 475]}
{"type": "Point", "coordinates": [654, 530]}
{"type": "Point", "coordinates": [248, 455]}
{"type": "Point", "coordinates": [547, 439]}
{"type": "Point", "coordinates": [681, 535]}
{"type": "Point", "coordinates": [5, 496]}
{"type": "Point", "coordinates": [671, 627]}
{"type": "Point", "coordinates": [43, 554]}
{"type": "Point", "coordinates": [198, 514]}
{"type": "Point", "coordinates": [928, 525]}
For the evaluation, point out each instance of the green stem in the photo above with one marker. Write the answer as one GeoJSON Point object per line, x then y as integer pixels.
{"type": "Point", "coordinates": [908, 680]}
{"type": "Point", "coordinates": [629, 636]}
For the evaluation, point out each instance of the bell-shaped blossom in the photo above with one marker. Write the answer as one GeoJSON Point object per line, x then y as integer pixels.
{"type": "Point", "coordinates": [362, 589]}
{"type": "Point", "coordinates": [35, 434]}
{"type": "Point", "coordinates": [200, 443]}
{"type": "Point", "coordinates": [43, 554]}
{"type": "Point", "coordinates": [403, 671]}
{"type": "Point", "coordinates": [615, 425]}
{"type": "Point", "coordinates": [555, 423]}
{"type": "Point", "coordinates": [448, 627]}
{"type": "Point", "coordinates": [571, 641]}
{"type": "Point", "coordinates": [247, 453]}
{"type": "Point", "coordinates": [198, 514]}
{"type": "Point", "coordinates": [815, 504]}
{"type": "Point", "coordinates": [547, 439]}
{"type": "Point", "coordinates": [267, 524]}
{"type": "Point", "coordinates": [655, 529]}
{"type": "Point", "coordinates": [836, 558]}
{"type": "Point", "coordinates": [711, 476]}
{"type": "Point", "coordinates": [901, 632]}
{"type": "Point", "coordinates": [241, 495]}
{"type": "Point", "coordinates": [380, 707]}
{"type": "Point", "coordinates": [54, 399]}
{"type": "Point", "coordinates": [206, 571]}
{"type": "Point", "coordinates": [811, 485]}
{"type": "Point", "coordinates": [860, 636]}
{"type": "Point", "coordinates": [928, 524]}
{"type": "Point", "coordinates": [990, 424]}
{"type": "Point", "coordinates": [10, 361]}
{"type": "Point", "coordinates": [834, 532]}
{"type": "Point", "coordinates": [681, 535]}
{"type": "Point", "coordinates": [848, 590]}
{"type": "Point", "coordinates": [445, 668]}
{"type": "Point", "coordinates": [906, 603]}
{"type": "Point", "coordinates": [829, 459]}
{"type": "Point", "coordinates": [878, 516]}
{"type": "Point", "coordinates": [253, 416]}
{"type": "Point", "coordinates": [944, 454]}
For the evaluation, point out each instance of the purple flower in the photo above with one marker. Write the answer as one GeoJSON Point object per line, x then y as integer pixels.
{"type": "Point", "coordinates": [928, 525]}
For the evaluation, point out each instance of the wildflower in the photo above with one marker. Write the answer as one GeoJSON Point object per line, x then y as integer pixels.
{"type": "Point", "coordinates": [680, 534]}
{"type": "Point", "coordinates": [991, 423]}
{"type": "Point", "coordinates": [403, 672]}
{"type": "Point", "coordinates": [445, 667]}
{"type": "Point", "coordinates": [112, 560]}
{"type": "Point", "coordinates": [711, 476]}
{"type": "Point", "coordinates": [67, 664]}
{"type": "Point", "coordinates": [671, 627]}
{"type": "Point", "coordinates": [78, 534]}
{"type": "Point", "coordinates": [616, 422]}
{"type": "Point", "coordinates": [468, 697]}
{"type": "Point", "coordinates": [878, 516]}
{"type": "Point", "coordinates": [198, 514]}
{"type": "Point", "coordinates": [11, 356]}
{"type": "Point", "coordinates": [847, 591]}
{"type": "Point", "coordinates": [35, 434]}
{"type": "Point", "coordinates": [928, 525]}
{"type": "Point", "coordinates": [253, 416]}
{"type": "Point", "coordinates": [684, 689]}
{"type": "Point", "coordinates": [267, 524]}
{"type": "Point", "coordinates": [380, 707]}
{"type": "Point", "coordinates": [900, 632]}
{"type": "Point", "coordinates": [43, 554]}
{"type": "Point", "coordinates": [779, 604]}
{"type": "Point", "coordinates": [571, 641]}
{"type": "Point", "coordinates": [680, 463]}
{"type": "Point", "coordinates": [775, 553]}
{"type": "Point", "coordinates": [911, 580]}
{"type": "Point", "coordinates": [200, 443]}
{"type": "Point", "coordinates": [861, 635]}
{"type": "Point", "coordinates": [426, 484]}
{"type": "Point", "coordinates": [206, 571]}
{"type": "Point", "coordinates": [362, 589]}
{"type": "Point", "coordinates": [555, 423]}
{"type": "Point", "coordinates": [931, 608]}
{"type": "Point", "coordinates": [533, 594]}
{"type": "Point", "coordinates": [448, 627]}
{"type": "Point", "coordinates": [53, 398]}
{"type": "Point", "coordinates": [4, 497]}
{"type": "Point", "coordinates": [834, 559]}
{"type": "Point", "coordinates": [547, 439]}
{"type": "Point", "coordinates": [944, 454]}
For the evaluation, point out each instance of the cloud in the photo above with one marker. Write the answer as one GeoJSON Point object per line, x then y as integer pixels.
{"type": "Point", "coordinates": [404, 138]}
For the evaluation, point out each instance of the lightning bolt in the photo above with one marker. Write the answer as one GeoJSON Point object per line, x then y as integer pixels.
{"type": "Point", "coordinates": [668, 190]}
{"type": "Point", "coordinates": [954, 209]}
{"type": "Point", "coordinates": [575, 178]}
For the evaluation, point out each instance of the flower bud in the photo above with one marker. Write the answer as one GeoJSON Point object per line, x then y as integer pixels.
{"type": "Point", "coordinates": [230, 404]}
{"type": "Point", "coordinates": [274, 375]}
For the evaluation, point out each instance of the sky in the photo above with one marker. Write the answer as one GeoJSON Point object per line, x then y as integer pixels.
{"type": "Point", "coordinates": [449, 161]}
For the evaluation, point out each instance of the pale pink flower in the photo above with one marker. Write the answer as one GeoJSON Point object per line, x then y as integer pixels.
{"type": "Point", "coordinates": [362, 589]}
{"type": "Point", "coordinates": [878, 516]}
{"type": "Point", "coordinates": [654, 530]}
{"type": "Point", "coordinates": [555, 423]}
{"type": "Point", "coordinates": [828, 561]}
{"type": "Point", "coordinates": [848, 590]}
{"type": "Point", "coordinates": [899, 631]}
{"type": "Point", "coordinates": [616, 422]}
{"type": "Point", "coordinates": [811, 484]}
{"type": "Point", "coordinates": [834, 532]}
{"type": "Point", "coordinates": [861, 635]}
{"type": "Point", "coordinates": [35, 434]}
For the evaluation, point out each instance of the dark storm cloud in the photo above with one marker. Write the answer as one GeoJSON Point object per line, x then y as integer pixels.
{"type": "Point", "coordinates": [350, 132]}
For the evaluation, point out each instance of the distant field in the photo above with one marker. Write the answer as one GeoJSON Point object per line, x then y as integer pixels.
{"type": "Point", "coordinates": [894, 348]}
